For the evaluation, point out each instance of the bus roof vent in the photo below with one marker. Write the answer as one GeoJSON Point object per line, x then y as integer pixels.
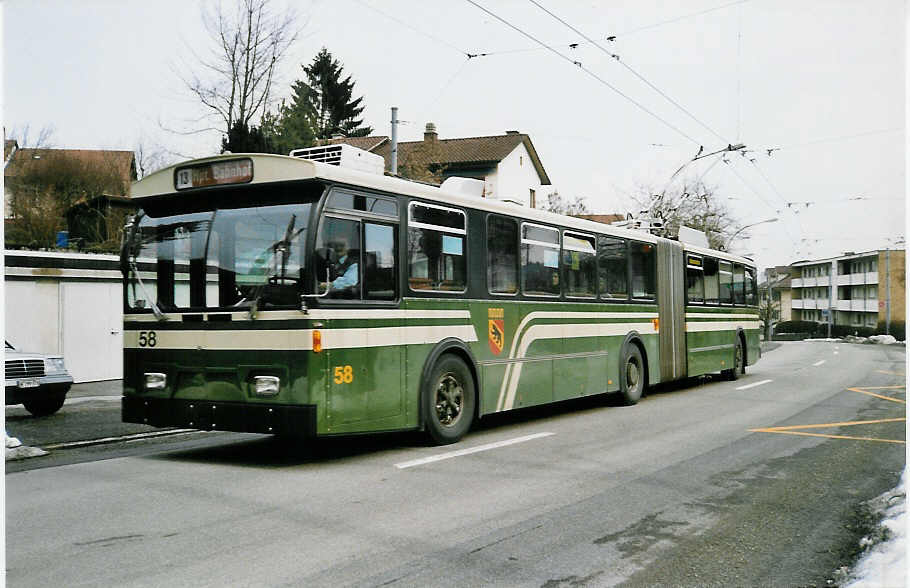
{"type": "Point", "coordinates": [466, 186]}
{"type": "Point", "coordinates": [344, 156]}
{"type": "Point", "coordinates": [692, 236]}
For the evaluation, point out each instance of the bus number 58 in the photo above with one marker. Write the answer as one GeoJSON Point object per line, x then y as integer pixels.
{"type": "Point", "coordinates": [148, 339]}
{"type": "Point", "coordinates": [344, 374]}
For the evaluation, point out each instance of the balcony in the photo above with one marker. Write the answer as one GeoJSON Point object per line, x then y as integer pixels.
{"type": "Point", "coordinates": [857, 279]}
{"type": "Point", "coordinates": [868, 305]}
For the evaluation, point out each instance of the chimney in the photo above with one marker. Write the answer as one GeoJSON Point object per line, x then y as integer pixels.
{"type": "Point", "coordinates": [429, 134]}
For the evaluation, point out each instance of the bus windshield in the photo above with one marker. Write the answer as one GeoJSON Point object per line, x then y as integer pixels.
{"type": "Point", "coordinates": [224, 258]}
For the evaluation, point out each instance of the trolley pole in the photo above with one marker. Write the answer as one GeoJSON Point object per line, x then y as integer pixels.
{"type": "Point", "coordinates": [393, 160]}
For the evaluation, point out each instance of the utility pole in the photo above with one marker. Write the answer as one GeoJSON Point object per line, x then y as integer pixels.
{"type": "Point", "coordinates": [393, 160]}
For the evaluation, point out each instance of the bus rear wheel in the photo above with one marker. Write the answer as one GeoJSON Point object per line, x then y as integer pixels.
{"type": "Point", "coordinates": [632, 375]}
{"type": "Point", "coordinates": [739, 364]}
{"type": "Point", "coordinates": [449, 400]}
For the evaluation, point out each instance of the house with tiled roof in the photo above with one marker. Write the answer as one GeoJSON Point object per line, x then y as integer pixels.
{"type": "Point", "coordinates": [508, 164]}
{"type": "Point", "coordinates": [102, 175]}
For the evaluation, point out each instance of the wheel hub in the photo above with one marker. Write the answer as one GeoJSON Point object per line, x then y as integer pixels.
{"type": "Point", "coordinates": [449, 400]}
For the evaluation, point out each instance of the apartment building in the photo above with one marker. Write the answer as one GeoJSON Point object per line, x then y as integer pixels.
{"type": "Point", "coordinates": [855, 289]}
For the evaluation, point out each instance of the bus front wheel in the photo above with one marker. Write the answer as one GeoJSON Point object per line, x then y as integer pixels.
{"type": "Point", "coordinates": [449, 400]}
{"type": "Point", "coordinates": [632, 375]}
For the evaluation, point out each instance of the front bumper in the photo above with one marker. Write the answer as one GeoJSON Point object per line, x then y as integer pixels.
{"type": "Point", "coordinates": [47, 386]}
{"type": "Point", "coordinates": [274, 419]}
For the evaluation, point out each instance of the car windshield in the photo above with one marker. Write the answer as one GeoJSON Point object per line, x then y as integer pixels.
{"type": "Point", "coordinates": [224, 258]}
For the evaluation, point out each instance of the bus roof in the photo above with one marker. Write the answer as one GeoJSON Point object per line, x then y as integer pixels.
{"type": "Point", "coordinates": [270, 168]}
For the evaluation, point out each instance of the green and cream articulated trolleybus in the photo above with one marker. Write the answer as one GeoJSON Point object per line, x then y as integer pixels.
{"type": "Point", "coordinates": [283, 295]}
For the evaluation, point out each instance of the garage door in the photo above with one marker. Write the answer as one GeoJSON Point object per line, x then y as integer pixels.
{"type": "Point", "coordinates": [92, 330]}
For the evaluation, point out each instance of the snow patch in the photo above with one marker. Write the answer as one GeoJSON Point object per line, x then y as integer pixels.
{"type": "Point", "coordinates": [16, 450]}
{"type": "Point", "coordinates": [884, 562]}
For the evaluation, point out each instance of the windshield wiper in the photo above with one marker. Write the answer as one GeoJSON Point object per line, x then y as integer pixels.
{"type": "Point", "coordinates": [283, 246]}
{"type": "Point", "coordinates": [157, 311]}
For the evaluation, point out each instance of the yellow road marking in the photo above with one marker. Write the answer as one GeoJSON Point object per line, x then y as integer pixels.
{"type": "Point", "coordinates": [846, 424]}
{"type": "Point", "coordinates": [891, 373]}
{"type": "Point", "coordinates": [862, 391]}
{"type": "Point", "coordinates": [804, 434]}
{"type": "Point", "coordinates": [795, 429]}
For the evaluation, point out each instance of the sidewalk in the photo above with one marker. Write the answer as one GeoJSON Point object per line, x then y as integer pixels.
{"type": "Point", "coordinates": [102, 388]}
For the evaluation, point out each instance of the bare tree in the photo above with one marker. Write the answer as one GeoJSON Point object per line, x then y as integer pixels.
{"type": "Point", "coordinates": [693, 204]}
{"type": "Point", "coordinates": [150, 157]}
{"type": "Point", "coordinates": [234, 83]}
{"type": "Point", "coordinates": [569, 206]}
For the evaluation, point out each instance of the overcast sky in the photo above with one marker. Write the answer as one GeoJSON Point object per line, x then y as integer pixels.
{"type": "Point", "coordinates": [822, 81]}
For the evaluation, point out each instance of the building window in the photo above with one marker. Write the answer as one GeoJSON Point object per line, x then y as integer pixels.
{"type": "Point", "coordinates": [533, 198]}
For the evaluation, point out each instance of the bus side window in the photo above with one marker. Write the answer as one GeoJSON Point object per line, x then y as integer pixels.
{"type": "Point", "coordinates": [641, 262]}
{"type": "Point", "coordinates": [380, 262]}
{"type": "Point", "coordinates": [580, 263]}
{"type": "Point", "coordinates": [338, 248]}
{"type": "Point", "coordinates": [539, 260]}
{"type": "Point", "coordinates": [712, 293]}
{"type": "Point", "coordinates": [612, 268]}
{"type": "Point", "coordinates": [502, 255]}
{"type": "Point", "coordinates": [751, 287]}
{"type": "Point", "coordinates": [739, 292]}
{"type": "Point", "coordinates": [726, 282]}
{"type": "Point", "coordinates": [436, 248]}
{"type": "Point", "coordinates": [695, 280]}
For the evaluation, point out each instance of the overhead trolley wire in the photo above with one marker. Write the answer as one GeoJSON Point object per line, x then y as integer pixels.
{"type": "Point", "coordinates": [586, 70]}
{"type": "Point", "coordinates": [628, 67]}
{"type": "Point", "coordinates": [678, 18]}
{"type": "Point", "coordinates": [415, 29]}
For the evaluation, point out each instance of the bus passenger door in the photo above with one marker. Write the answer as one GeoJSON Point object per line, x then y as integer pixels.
{"type": "Point", "coordinates": [362, 337]}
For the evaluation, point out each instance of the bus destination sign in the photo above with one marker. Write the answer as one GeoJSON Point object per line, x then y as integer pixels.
{"type": "Point", "coordinates": [235, 171]}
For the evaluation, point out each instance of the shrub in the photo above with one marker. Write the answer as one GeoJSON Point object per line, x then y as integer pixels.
{"type": "Point", "coordinates": [812, 328]}
{"type": "Point", "coordinates": [898, 329]}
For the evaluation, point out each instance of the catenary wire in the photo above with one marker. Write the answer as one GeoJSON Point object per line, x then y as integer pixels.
{"type": "Point", "coordinates": [631, 69]}
{"type": "Point", "coordinates": [586, 70]}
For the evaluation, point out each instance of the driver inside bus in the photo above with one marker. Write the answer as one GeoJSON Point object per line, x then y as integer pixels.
{"type": "Point", "coordinates": [345, 269]}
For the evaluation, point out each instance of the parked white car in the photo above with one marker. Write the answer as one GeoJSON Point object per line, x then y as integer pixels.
{"type": "Point", "coordinates": [38, 381]}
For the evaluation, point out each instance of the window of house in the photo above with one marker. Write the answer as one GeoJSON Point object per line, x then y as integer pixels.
{"type": "Point", "coordinates": [695, 279]}
{"type": "Point", "coordinates": [579, 258]}
{"type": "Point", "coordinates": [642, 270]}
{"type": "Point", "coordinates": [436, 248]}
{"type": "Point", "coordinates": [712, 286]}
{"type": "Point", "coordinates": [502, 255]}
{"type": "Point", "coordinates": [539, 260]}
{"type": "Point", "coordinates": [613, 268]}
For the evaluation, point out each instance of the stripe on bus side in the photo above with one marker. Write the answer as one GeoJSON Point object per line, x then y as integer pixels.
{"type": "Point", "coordinates": [700, 326]}
{"type": "Point", "coordinates": [525, 335]}
{"type": "Point", "coordinates": [300, 339]}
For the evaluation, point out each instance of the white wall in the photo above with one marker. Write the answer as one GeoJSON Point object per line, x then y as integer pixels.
{"type": "Point", "coordinates": [77, 313]}
{"type": "Point", "coordinates": [515, 177]}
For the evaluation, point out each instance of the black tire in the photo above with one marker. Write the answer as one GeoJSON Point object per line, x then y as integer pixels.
{"type": "Point", "coordinates": [448, 400]}
{"type": "Point", "coordinates": [45, 405]}
{"type": "Point", "coordinates": [632, 378]}
{"type": "Point", "coordinates": [739, 363]}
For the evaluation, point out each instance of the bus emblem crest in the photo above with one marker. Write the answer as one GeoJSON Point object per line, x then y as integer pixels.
{"type": "Point", "coordinates": [497, 330]}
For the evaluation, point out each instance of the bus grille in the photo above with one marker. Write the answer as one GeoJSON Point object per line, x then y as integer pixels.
{"type": "Point", "coordinates": [24, 368]}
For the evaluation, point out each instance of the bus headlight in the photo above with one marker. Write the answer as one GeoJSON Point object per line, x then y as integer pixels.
{"type": "Point", "coordinates": [155, 381]}
{"type": "Point", "coordinates": [266, 385]}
